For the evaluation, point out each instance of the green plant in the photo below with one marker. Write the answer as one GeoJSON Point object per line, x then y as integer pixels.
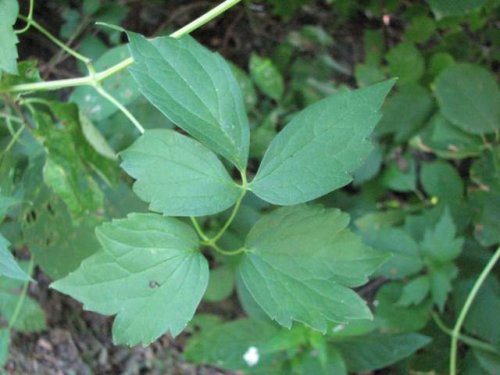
{"type": "Point", "coordinates": [211, 226]}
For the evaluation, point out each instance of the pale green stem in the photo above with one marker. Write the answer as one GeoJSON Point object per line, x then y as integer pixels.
{"type": "Point", "coordinates": [235, 209]}
{"type": "Point", "coordinates": [471, 341]}
{"type": "Point", "coordinates": [57, 42]}
{"type": "Point", "coordinates": [28, 19]}
{"type": "Point", "coordinates": [465, 309]}
{"type": "Point", "coordinates": [224, 252]}
{"type": "Point", "coordinates": [14, 139]}
{"type": "Point", "coordinates": [100, 76]}
{"type": "Point", "coordinates": [120, 106]}
{"type": "Point", "coordinates": [206, 18]}
{"type": "Point", "coordinates": [22, 296]}
{"type": "Point", "coordinates": [198, 229]}
{"type": "Point", "coordinates": [10, 117]}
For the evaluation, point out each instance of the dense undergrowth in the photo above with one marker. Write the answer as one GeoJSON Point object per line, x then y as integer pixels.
{"type": "Point", "coordinates": [323, 228]}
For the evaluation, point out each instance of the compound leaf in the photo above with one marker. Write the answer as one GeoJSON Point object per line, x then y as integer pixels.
{"type": "Point", "coordinates": [150, 273]}
{"type": "Point", "coordinates": [300, 263]}
{"type": "Point", "coordinates": [196, 90]}
{"type": "Point", "coordinates": [178, 176]}
{"type": "Point", "coordinates": [469, 97]}
{"type": "Point", "coordinates": [316, 152]}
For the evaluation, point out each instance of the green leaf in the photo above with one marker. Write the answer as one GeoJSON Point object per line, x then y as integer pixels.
{"type": "Point", "coordinates": [300, 264]}
{"type": "Point", "coordinates": [415, 291]}
{"type": "Point", "coordinates": [469, 97]}
{"type": "Point", "coordinates": [406, 62]}
{"type": "Point", "coordinates": [448, 141]}
{"type": "Point", "coordinates": [390, 317]}
{"type": "Point", "coordinates": [486, 171]}
{"type": "Point", "coordinates": [267, 77]}
{"type": "Point", "coordinates": [6, 203]}
{"type": "Point", "coordinates": [31, 317]}
{"type": "Point", "coordinates": [486, 206]}
{"type": "Point", "coordinates": [405, 112]}
{"type": "Point", "coordinates": [246, 85]}
{"type": "Point", "coordinates": [9, 10]}
{"type": "Point", "coordinates": [65, 171]}
{"type": "Point", "coordinates": [405, 260]}
{"type": "Point", "coordinates": [226, 345]}
{"type": "Point", "coordinates": [58, 244]}
{"type": "Point", "coordinates": [8, 264]}
{"type": "Point", "coordinates": [401, 174]}
{"type": "Point", "coordinates": [196, 90]}
{"type": "Point", "coordinates": [150, 273]}
{"type": "Point", "coordinates": [378, 351]}
{"type": "Point", "coordinates": [420, 30]}
{"type": "Point", "coordinates": [178, 176]}
{"type": "Point", "coordinates": [439, 179]}
{"type": "Point", "coordinates": [443, 8]}
{"type": "Point", "coordinates": [482, 318]}
{"type": "Point", "coordinates": [316, 152]}
{"type": "Point", "coordinates": [440, 243]}
{"type": "Point", "coordinates": [441, 276]}
{"type": "Point", "coordinates": [4, 345]}
{"type": "Point", "coordinates": [95, 138]}
{"type": "Point", "coordinates": [312, 364]}
{"type": "Point", "coordinates": [220, 285]}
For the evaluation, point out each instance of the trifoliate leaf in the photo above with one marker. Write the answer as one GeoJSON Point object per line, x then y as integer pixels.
{"type": "Point", "coordinates": [178, 176]}
{"type": "Point", "coordinates": [319, 149]}
{"type": "Point", "coordinates": [8, 39]}
{"type": "Point", "coordinates": [150, 273]}
{"type": "Point", "coordinates": [300, 264]}
{"type": "Point", "coordinates": [267, 77]}
{"type": "Point", "coordinates": [8, 264]}
{"type": "Point", "coordinates": [440, 243]}
{"type": "Point", "coordinates": [469, 98]}
{"type": "Point", "coordinates": [195, 89]}
{"type": "Point", "coordinates": [378, 351]}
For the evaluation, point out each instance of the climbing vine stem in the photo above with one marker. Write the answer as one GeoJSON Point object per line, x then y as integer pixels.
{"type": "Point", "coordinates": [455, 334]}
{"type": "Point", "coordinates": [92, 79]}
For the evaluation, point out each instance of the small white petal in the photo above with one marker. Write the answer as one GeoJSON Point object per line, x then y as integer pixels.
{"type": "Point", "coordinates": [251, 356]}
